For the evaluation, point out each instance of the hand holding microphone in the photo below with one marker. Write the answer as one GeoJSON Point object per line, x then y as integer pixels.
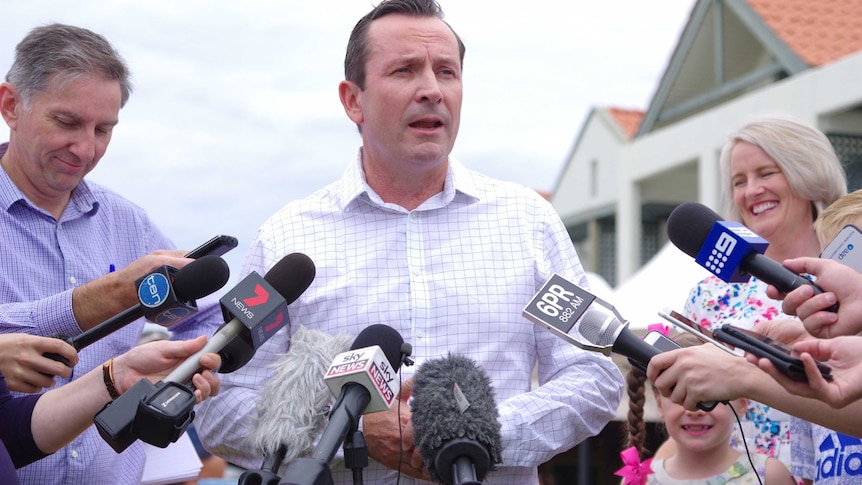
{"type": "Point", "coordinates": [560, 304]}
{"type": "Point", "coordinates": [154, 360]}
{"type": "Point", "coordinates": [159, 414]}
{"type": "Point", "coordinates": [166, 296]}
{"type": "Point", "coordinates": [24, 363]}
{"type": "Point", "coordinates": [843, 288]}
{"type": "Point", "coordinates": [728, 249]}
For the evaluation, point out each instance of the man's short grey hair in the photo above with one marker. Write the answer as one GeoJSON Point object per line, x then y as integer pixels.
{"type": "Point", "coordinates": [63, 53]}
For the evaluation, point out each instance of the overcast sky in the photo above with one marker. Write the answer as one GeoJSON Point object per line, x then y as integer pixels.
{"type": "Point", "coordinates": [235, 110]}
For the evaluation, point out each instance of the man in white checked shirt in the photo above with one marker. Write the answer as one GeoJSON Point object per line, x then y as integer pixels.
{"type": "Point", "coordinates": [411, 238]}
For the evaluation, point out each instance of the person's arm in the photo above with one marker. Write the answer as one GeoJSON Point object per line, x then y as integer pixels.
{"type": "Point", "coordinates": [83, 307]}
{"type": "Point", "coordinates": [840, 284]}
{"type": "Point", "coordinates": [393, 432]}
{"type": "Point", "coordinates": [703, 373]}
{"type": "Point", "coordinates": [105, 297]}
{"type": "Point", "coordinates": [62, 414]}
{"type": "Point", "coordinates": [579, 391]}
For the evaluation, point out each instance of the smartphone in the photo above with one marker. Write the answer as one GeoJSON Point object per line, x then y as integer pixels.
{"type": "Point", "coordinates": [216, 246]}
{"type": "Point", "coordinates": [846, 247]}
{"type": "Point", "coordinates": [659, 341]}
{"type": "Point", "coordinates": [686, 324]}
{"type": "Point", "coordinates": [779, 354]}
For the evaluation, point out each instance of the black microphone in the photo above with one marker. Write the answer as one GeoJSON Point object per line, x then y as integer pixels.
{"type": "Point", "coordinates": [240, 349]}
{"type": "Point", "coordinates": [259, 310]}
{"type": "Point", "coordinates": [166, 296]}
{"type": "Point", "coordinates": [728, 249]}
{"type": "Point", "coordinates": [294, 403]}
{"type": "Point", "coordinates": [159, 414]}
{"type": "Point", "coordinates": [603, 328]}
{"type": "Point", "coordinates": [455, 420]}
{"type": "Point", "coordinates": [573, 313]}
{"type": "Point", "coordinates": [368, 378]}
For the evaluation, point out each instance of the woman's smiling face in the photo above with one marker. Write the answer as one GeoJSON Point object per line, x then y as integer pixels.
{"type": "Point", "coordinates": [762, 194]}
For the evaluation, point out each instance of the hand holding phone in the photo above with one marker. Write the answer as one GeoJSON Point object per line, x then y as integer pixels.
{"type": "Point", "coordinates": [781, 355]}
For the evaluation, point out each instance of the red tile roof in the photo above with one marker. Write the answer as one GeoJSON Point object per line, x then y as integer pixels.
{"type": "Point", "coordinates": [819, 31]}
{"type": "Point", "coordinates": [629, 120]}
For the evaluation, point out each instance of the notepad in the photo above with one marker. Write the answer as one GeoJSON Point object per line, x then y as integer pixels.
{"type": "Point", "coordinates": [176, 463]}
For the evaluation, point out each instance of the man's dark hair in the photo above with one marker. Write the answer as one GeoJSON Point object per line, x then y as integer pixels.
{"type": "Point", "coordinates": [64, 53]}
{"type": "Point", "coordinates": [357, 46]}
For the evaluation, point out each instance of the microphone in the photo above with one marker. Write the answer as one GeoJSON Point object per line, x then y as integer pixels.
{"type": "Point", "coordinates": [604, 328]}
{"type": "Point", "coordinates": [259, 310]}
{"type": "Point", "coordinates": [560, 304]}
{"type": "Point", "coordinates": [455, 420]}
{"type": "Point", "coordinates": [728, 249]}
{"type": "Point", "coordinates": [365, 379]}
{"type": "Point", "coordinates": [294, 402]}
{"type": "Point", "coordinates": [159, 414]}
{"type": "Point", "coordinates": [166, 296]}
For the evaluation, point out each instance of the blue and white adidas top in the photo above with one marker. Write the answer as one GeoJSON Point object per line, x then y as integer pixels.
{"type": "Point", "coordinates": [825, 456]}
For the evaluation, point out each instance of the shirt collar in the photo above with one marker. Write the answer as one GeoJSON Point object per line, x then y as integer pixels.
{"type": "Point", "coordinates": [82, 200]}
{"type": "Point", "coordinates": [354, 189]}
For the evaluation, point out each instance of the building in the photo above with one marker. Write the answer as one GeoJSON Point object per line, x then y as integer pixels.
{"type": "Point", "coordinates": [628, 169]}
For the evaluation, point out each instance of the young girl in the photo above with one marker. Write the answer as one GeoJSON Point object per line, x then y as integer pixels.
{"type": "Point", "coordinates": [702, 454]}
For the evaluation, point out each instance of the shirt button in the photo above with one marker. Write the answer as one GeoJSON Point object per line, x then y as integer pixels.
{"type": "Point", "coordinates": [74, 454]}
{"type": "Point", "coordinates": [72, 280]}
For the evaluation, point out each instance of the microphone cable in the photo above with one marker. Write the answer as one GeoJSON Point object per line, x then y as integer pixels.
{"type": "Point", "coordinates": [406, 361]}
{"type": "Point", "coordinates": [400, 433]}
{"type": "Point", "coordinates": [745, 443]}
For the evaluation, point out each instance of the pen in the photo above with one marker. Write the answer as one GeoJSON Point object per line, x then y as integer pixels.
{"type": "Point", "coordinates": [112, 268]}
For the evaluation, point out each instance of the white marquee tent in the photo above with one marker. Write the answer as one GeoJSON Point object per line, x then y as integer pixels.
{"type": "Point", "coordinates": [664, 281]}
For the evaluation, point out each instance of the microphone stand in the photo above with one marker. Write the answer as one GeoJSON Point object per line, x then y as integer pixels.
{"type": "Point", "coordinates": [267, 475]}
{"type": "Point", "coordinates": [356, 454]}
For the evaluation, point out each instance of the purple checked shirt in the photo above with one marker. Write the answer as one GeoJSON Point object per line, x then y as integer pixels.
{"type": "Point", "coordinates": [42, 261]}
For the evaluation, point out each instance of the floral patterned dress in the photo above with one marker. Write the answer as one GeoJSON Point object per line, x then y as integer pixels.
{"type": "Point", "coordinates": [713, 303]}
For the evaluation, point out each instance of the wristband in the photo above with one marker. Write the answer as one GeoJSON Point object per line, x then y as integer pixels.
{"type": "Point", "coordinates": [108, 376]}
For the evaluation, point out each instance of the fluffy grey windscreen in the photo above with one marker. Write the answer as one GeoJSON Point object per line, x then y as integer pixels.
{"type": "Point", "coordinates": [292, 407]}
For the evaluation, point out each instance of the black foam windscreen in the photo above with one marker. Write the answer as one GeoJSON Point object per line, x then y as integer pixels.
{"type": "Point", "coordinates": [291, 276]}
{"type": "Point", "coordinates": [384, 336]}
{"type": "Point", "coordinates": [443, 429]}
{"type": "Point", "coordinates": [689, 225]}
{"type": "Point", "coordinates": [200, 278]}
